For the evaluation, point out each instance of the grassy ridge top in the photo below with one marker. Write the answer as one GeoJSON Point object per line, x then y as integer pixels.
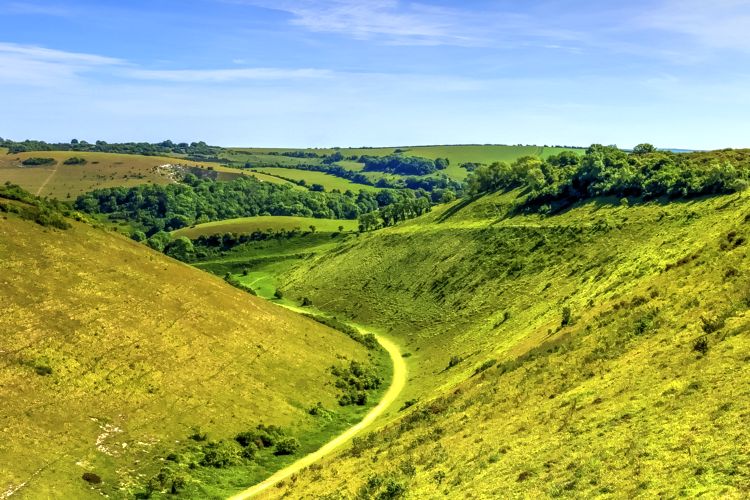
{"type": "Point", "coordinates": [112, 353]}
{"type": "Point", "coordinates": [265, 223]}
{"type": "Point", "coordinates": [598, 351]}
{"type": "Point", "coordinates": [101, 170]}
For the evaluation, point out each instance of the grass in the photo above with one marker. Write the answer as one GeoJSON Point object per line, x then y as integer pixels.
{"type": "Point", "coordinates": [113, 353]}
{"type": "Point", "coordinates": [101, 170]}
{"type": "Point", "coordinates": [329, 182]}
{"type": "Point", "coordinates": [457, 154]}
{"type": "Point", "coordinates": [516, 396]}
{"type": "Point", "coordinates": [266, 223]}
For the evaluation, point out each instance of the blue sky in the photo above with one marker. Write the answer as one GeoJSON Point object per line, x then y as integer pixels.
{"type": "Point", "coordinates": [381, 72]}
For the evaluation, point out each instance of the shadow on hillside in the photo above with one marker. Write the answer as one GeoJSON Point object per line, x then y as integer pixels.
{"type": "Point", "coordinates": [463, 203]}
{"type": "Point", "coordinates": [561, 207]}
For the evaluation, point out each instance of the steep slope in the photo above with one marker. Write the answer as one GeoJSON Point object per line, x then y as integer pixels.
{"type": "Point", "coordinates": [603, 350]}
{"type": "Point", "coordinates": [111, 355]}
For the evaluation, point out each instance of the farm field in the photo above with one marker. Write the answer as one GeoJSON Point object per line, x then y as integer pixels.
{"type": "Point", "coordinates": [329, 182]}
{"type": "Point", "coordinates": [265, 223]}
{"type": "Point", "coordinates": [457, 154]}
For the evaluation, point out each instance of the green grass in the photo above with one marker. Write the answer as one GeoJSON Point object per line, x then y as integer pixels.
{"type": "Point", "coordinates": [457, 154]}
{"type": "Point", "coordinates": [617, 400]}
{"type": "Point", "coordinates": [113, 353]}
{"type": "Point", "coordinates": [329, 182]}
{"type": "Point", "coordinates": [265, 223]}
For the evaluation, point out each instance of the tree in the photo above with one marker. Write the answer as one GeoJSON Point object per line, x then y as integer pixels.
{"type": "Point", "coordinates": [313, 228]}
{"type": "Point", "coordinates": [180, 249]}
{"type": "Point", "coordinates": [159, 241]}
{"type": "Point", "coordinates": [642, 149]}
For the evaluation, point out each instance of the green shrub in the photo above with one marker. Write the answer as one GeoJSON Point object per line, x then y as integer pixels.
{"type": "Point", "coordinates": [220, 454]}
{"type": "Point", "coordinates": [38, 161]}
{"type": "Point", "coordinates": [566, 316]}
{"type": "Point", "coordinates": [485, 366]}
{"type": "Point", "coordinates": [75, 160]}
{"type": "Point", "coordinates": [287, 446]}
{"type": "Point", "coordinates": [701, 345]}
{"type": "Point", "coordinates": [454, 361]}
{"type": "Point", "coordinates": [92, 478]}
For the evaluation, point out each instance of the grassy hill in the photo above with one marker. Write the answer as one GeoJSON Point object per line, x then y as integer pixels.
{"type": "Point", "coordinates": [599, 351]}
{"type": "Point", "coordinates": [112, 356]}
{"type": "Point", "coordinates": [457, 154]}
{"type": "Point", "coordinates": [101, 170]}
{"type": "Point", "coordinates": [329, 182]}
{"type": "Point", "coordinates": [266, 223]}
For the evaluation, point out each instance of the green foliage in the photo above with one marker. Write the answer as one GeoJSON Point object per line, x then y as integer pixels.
{"type": "Point", "coordinates": [287, 446]}
{"type": "Point", "coordinates": [608, 171]}
{"type": "Point", "coordinates": [366, 339]}
{"type": "Point", "coordinates": [220, 454]}
{"type": "Point", "coordinates": [174, 206]}
{"type": "Point", "coordinates": [403, 165]}
{"type": "Point", "coordinates": [180, 248]}
{"type": "Point", "coordinates": [200, 150]}
{"type": "Point", "coordinates": [44, 212]}
{"type": "Point", "coordinates": [34, 161]}
{"type": "Point", "coordinates": [75, 160]}
{"type": "Point", "coordinates": [159, 241]}
{"type": "Point", "coordinates": [354, 381]}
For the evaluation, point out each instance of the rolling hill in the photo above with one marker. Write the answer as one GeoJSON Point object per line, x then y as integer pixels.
{"type": "Point", "coordinates": [266, 223]}
{"type": "Point", "coordinates": [601, 351]}
{"type": "Point", "coordinates": [114, 357]}
{"type": "Point", "coordinates": [100, 170]}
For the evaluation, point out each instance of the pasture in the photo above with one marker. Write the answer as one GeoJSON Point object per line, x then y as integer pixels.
{"type": "Point", "coordinates": [265, 223]}
{"type": "Point", "coordinates": [101, 170]}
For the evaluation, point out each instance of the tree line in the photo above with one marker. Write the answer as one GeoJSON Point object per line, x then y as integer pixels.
{"type": "Point", "coordinates": [157, 208]}
{"type": "Point", "coordinates": [403, 165]}
{"type": "Point", "coordinates": [194, 149]}
{"type": "Point", "coordinates": [608, 171]}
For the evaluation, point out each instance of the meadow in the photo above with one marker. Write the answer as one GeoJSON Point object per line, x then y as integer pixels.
{"type": "Point", "coordinates": [329, 182]}
{"type": "Point", "coordinates": [117, 357]}
{"type": "Point", "coordinates": [591, 352]}
{"type": "Point", "coordinates": [102, 170]}
{"type": "Point", "coordinates": [266, 223]}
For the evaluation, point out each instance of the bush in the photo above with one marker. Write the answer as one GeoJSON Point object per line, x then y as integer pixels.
{"type": "Point", "coordinates": [701, 345]}
{"type": "Point", "coordinates": [485, 366]}
{"type": "Point", "coordinates": [287, 446]}
{"type": "Point", "coordinates": [454, 361]}
{"type": "Point", "coordinates": [566, 316]}
{"type": "Point", "coordinates": [38, 161]}
{"type": "Point", "coordinates": [75, 160]}
{"type": "Point", "coordinates": [220, 454]}
{"type": "Point", "coordinates": [92, 478]}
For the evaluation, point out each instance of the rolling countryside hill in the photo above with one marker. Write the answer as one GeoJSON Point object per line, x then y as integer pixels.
{"type": "Point", "coordinates": [598, 351]}
{"type": "Point", "coordinates": [100, 170]}
{"type": "Point", "coordinates": [115, 355]}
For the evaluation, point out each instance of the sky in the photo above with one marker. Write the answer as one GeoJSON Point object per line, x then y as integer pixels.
{"type": "Point", "coordinates": [317, 73]}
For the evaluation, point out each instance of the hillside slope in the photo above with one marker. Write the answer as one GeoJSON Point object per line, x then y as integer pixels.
{"type": "Point", "coordinates": [111, 355]}
{"type": "Point", "coordinates": [600, 351]}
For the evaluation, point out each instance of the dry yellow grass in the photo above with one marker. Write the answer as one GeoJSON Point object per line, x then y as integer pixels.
{"type": "Point", "coordinates": [111, 353]}
{"type": "Point", "coordinates": [102, 170]}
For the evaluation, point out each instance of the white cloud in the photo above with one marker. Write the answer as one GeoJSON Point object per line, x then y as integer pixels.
{"type": "Point", "coordinates": [718, 24]}
{"type": "Point", "coordinates": [226, 75]}
{"type": "Point", "coordinates": [28, 8]}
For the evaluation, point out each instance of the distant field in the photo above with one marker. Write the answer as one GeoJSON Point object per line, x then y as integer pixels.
{"type": "Point", "coordinates": [263, 223]}
{"type": "Point", "coordinates": [330, 182]}
{"type": "Point", "coordinates": [101, 170]}
{"type": "Point", "coordinates": [456, 154]}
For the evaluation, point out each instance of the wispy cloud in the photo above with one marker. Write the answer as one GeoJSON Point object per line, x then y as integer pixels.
{"type": "Point", "coordinates": [29, 8]}
{"type": "Point", "coordinates": [226, 75]}
{"type": "Point", "coordinates": [39, 66]}
{"type": "Point", "coordinates": [719, 24]}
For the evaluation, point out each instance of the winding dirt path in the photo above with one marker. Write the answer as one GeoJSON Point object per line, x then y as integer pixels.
{"type": "Point", "coordinates": [46, 181]}
{"type": "Point", "coordinates": [397, 384]}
